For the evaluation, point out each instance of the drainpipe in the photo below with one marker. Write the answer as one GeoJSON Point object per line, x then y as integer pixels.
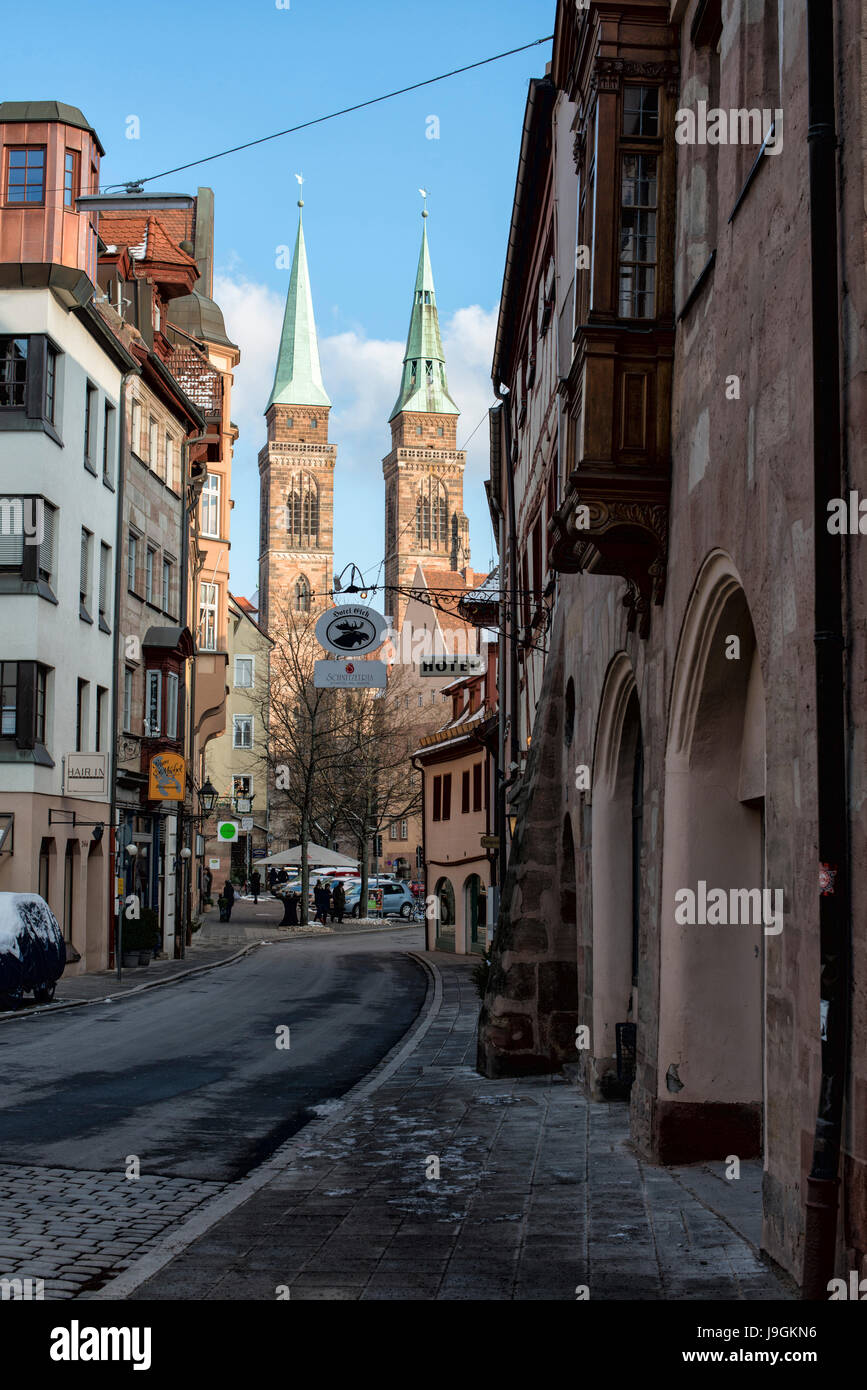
{"type": "Point", "coordinates": [820, 1232]}
{"type": "Point", "coordinates": [513, 575]}
{"type": "Point", "coordinates": [114, 944]}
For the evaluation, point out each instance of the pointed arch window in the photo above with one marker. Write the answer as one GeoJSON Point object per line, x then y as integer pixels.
{"type": "Point", "coordinates": [302, 594]}
{"type": "Point", "coordinates": [302, 512]}
{"type": "Point", "coordinates": [431, 514]}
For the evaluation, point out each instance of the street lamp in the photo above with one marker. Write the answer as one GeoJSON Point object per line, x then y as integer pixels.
{"type": "Point", "coordinates": [207, 797]}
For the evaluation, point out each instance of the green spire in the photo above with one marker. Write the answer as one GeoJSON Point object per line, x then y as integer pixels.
{"type": "Point", "coordinates": [298, 378]}
{"type": "Point", "coordinates": [424, 386]}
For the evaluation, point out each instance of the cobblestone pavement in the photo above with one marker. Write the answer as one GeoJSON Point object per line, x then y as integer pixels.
{"type": "Point", "coordinates": [538, 1194]}
{"type": "Point", "coordinates": [75, 1230]}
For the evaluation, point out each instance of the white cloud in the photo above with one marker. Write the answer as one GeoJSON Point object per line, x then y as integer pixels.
{"type": "Point", "coordinates": [362, 376]}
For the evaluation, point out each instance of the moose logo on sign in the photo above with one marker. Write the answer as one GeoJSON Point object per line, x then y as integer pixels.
{"type": "Point", "coordinates": [350, 628]}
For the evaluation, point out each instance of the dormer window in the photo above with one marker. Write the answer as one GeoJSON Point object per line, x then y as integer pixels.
{"type": "Point", "coordinates": [413, 373]}
{"type": "Point", "coordinates": [428, 371]}
{"type": "Point", "coordinates": [427, 299]}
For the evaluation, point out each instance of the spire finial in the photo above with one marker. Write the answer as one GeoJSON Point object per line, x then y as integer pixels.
{"type": "Point", "coordinates": [300, 178]}
{"type": "Point", "coordinates": [424, 194]}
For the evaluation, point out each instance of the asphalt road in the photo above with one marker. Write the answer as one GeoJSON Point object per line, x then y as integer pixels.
{"type": "Point", "coordinates": [189, 1077]}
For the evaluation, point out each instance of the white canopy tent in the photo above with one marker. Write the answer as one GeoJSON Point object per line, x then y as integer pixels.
{"type": "Point", "coordinates": [317, 857]}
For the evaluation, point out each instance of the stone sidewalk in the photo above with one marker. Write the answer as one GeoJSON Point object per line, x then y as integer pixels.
{"type": "Point", "coordinates": [537, 1194]}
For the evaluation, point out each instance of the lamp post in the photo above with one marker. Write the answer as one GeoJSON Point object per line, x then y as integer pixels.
{"type": "Point", "coordinates": [132, 851]}
{"type": "Point", "coordinates": [207, 796]}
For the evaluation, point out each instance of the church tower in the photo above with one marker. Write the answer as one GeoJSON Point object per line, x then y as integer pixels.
{"type": "Point", "coordinates": [296, 466]}
{"type": "Point", "coordinates": [424, 473]}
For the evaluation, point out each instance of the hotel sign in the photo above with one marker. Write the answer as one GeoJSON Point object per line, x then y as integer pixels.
{"type": "Point", "coordinates": [468, 665]}
{"type": "Point", "coordinates": [167, 775]}
{"type": "Point", "coordinates": [87, 775]}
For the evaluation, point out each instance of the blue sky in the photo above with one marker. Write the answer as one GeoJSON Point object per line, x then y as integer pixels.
{"type": "Point", "coordinates": [204, 77]}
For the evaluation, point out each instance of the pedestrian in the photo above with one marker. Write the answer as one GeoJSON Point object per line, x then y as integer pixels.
{"type": "Point", "coordinates": [228, 896]}
{"type": "Point", "coordinates": [207, 881]}
{"type": "Point", "coordinates": [272, 877]}
{"type": "Point", "coordinates": [321, 899]}
{"type": "Point", "coordinates": [255, 884]}
{"type": "Point", "coordinates": [282, 876]}
{"type": "Point", "coordinates": [339, 900]}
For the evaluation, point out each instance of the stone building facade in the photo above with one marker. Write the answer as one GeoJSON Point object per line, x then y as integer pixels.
{"type": "Point", "coordinates": [424, 472]}
{"type": "Point", "coordinates": [296, 465]}
{"type": "Point", "coordinates": [663, 885]}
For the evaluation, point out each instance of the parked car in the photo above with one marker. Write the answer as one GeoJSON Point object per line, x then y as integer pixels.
{"type": "Point", "coordinates": [32, 949]}
{"type": "Point", "coordinates": [397, 900]}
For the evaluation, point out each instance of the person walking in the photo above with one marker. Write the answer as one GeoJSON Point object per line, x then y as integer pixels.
{"type": "Point", "coordinates": [320, 897]}
{"type": "Point", "coordinates": [338, 898]}
{"type": "Point", "coordinates": [255, 884]}
{"type": "Point", "coordinates": [228, 896]}
{"type": "Point", "coordinates": [272, 877]}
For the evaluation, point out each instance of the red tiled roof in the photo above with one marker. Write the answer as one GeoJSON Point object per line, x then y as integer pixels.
{"type": "Point", "coordinates": [131, 229]}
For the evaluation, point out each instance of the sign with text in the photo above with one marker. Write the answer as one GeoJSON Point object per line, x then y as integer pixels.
{"type": "Point", "coordinates": [350, 675]}
{"type": "Point", "coordinates": [468, 665]}
{"type": "Point", "coordinates": [227, 830]}
{"type": "Point", "coordinates": [351, 627]}
{"type": "Point", "coordinates": [86, 774]}
{"type": "Point", "coordinates": [166, 777]}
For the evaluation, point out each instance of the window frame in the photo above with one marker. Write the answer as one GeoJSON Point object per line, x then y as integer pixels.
{"type": "Point", "coordinates": [239, 721]}
{"type": "Point", "coordinates": [153, 685]}
{"type": "Point", "coordinates": [244, 685]}
{"type": "Point", "coordinates": [91, 399]}
{"type": "Point", "coordinates": [210, 500]}
{"type": "Point", "coordinates": [85, 594]}
{"type": "Point", "coordinates": [25, 149]}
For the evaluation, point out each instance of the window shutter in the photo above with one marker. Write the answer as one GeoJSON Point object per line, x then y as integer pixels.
{"type": "Point", "coordinates": [447, 796]}
{"type": "Point", "coordinates": [11, 534]}
{"type": "Point", "coordinates": [85, 562]}
{"type": "Point", "coordinates": [46, 546]}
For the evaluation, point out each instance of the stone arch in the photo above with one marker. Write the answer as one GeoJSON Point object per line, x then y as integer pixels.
{"type": "Point", "coordinates": [710, 1060]}
{"type": "Point", "coordinates": [445, 921]}
{"type": "Point", "coordinates": [615, 861]}
{"type": "Point", "coordinates": [475, 896]}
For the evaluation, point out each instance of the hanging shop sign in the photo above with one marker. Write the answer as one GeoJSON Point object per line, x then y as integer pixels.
{"type": "Point", "coordinates": [350, 675]}
{"type": "Point", "coordinates": [227, 830]}
{"type": "Point", "coordinates": [166, 777]}
{"type": "Point", "coordinates": [86, 775]}
{"type": "Point", "coordinates": [468, 665]}
{"type": "Point", "coordinates": [351, 627]}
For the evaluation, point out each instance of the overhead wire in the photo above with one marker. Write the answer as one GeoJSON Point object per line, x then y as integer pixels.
{"type": "Point", "coordinates": [331, 116]}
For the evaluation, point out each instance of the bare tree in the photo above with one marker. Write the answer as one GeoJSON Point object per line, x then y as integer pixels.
{"type": "Point", "coordinates": [374, 783]}
{"type": "Point", "coordinates": [307, 733]}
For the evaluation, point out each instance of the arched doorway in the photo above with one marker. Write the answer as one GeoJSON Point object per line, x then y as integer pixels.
{"type": "Point", "coordinates": [445, 922]}
{"type": "Point", "coordinates": [617, 835]}
{"type": "Point", "coordinates": [713, 938]}
{"type": "Point", "coordinates": [475, 914]}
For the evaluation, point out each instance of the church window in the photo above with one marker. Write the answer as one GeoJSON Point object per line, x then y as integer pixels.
{"type": "Point", "coordinates": [428, 371]}
{"type": "Point", "coordinates": [302, 594]}
{"type": "Point", "coordinates": [418, 429]}
{"type": "Point", "coordinates": [314, 424]}
{"type": "Point", "coordinates": [427, 296]}
{"type": "Point", "coordinates": [290, 421]}
{"type": "Point", "coordinates": [302, 512]}
{"type": "Point", "coordinates": [440, 431]}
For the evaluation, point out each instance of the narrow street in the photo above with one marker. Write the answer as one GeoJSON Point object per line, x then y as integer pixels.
{"type": "Point", "coordinates": [397, 1191]}
{"type": "Point", "coordinates": [189, 1079]}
